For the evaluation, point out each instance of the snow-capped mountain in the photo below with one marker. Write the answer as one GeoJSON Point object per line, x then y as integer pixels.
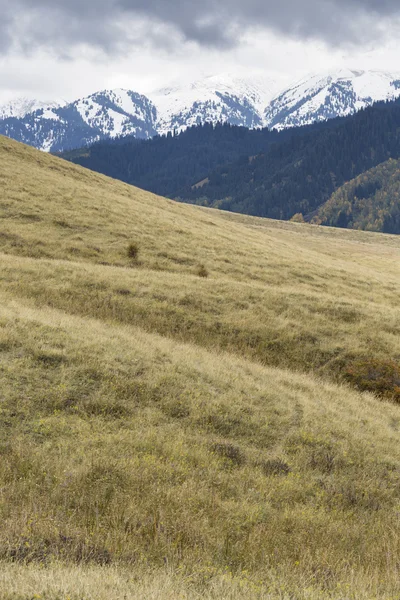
{"type": "Point", "coordinates": [326, 96]}
{"type": "Point", "coordinates": [250, 101]}
{"type": "Point", "coordinates": [20, 107]}
{"type": "Point", "coordinates": [118, 113]}
{"type": "Point", "coordinates": [240, 101]}
{"type": "Point", "coordinates": [106, 114]}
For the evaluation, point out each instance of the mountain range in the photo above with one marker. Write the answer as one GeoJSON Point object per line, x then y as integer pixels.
{"type": "Point", "coordinates": [251, 102]}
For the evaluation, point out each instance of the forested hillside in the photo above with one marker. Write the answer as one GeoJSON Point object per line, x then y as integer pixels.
{"type": "Point", "coordinates": [371, 201]}
{"type": "Point", "coordinates": [170, 165]}
{"type": "Point", "coordinates": [262, 173]}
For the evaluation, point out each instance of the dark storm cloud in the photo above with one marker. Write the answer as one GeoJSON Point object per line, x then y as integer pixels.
{"type": "Point", "coordinates": [112, 25]}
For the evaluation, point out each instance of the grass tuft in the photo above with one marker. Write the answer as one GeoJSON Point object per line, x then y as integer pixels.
{"type": "Point", "coordinates": [274, 467]}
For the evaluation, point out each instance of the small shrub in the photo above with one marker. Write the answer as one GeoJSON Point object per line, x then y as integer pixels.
{"type": "Point", "coordinates": [202, 271]}
{"type": "Point", "coordinates": [133, 251]}
{"type": "Point", "coordinates": [381, 377]}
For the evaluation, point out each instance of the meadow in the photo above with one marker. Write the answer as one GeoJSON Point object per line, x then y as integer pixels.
{"type": "Point", "coordinates": [194, 404]}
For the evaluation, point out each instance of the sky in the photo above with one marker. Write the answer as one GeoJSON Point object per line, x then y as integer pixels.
{"type": "Point", "coordinates": [63, 50]}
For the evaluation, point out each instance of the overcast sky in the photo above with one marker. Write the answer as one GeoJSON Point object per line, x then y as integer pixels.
{"type": "Point", "coordinates": [58, 49]}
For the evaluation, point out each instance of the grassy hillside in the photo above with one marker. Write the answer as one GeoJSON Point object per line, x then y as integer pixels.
{"type": "Point", "coordinates": [370, 201]}
{"type": "Point", "coordinates": [182, 423]}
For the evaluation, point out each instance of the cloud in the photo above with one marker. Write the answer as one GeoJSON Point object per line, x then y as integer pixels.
{"type": "Point", "coordinates": [113, 26]}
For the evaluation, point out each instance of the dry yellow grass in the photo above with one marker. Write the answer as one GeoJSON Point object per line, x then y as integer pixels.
{"type": "Point", "coordinates": [164, 435]}
{"type": "Point", "coordinates": [103, 583]}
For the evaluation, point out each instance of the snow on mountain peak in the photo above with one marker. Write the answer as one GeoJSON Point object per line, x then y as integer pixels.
{"type": "Point", "coordinates": [213, 98]}
{"type": "Point", "coordinates": [20, 107]}
{"type": "Point", "coordinates": [324, 96]}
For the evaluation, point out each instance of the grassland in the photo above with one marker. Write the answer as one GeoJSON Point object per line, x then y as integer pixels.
{"type": "Point", "coordinates": [165, 434]}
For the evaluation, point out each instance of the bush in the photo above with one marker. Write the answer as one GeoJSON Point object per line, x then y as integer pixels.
{"type": "Point", "coordinates": [381, 377]}
{"type": "Point", "coordinates": [133, 251]}
{"type": "Point", "coordinates": [202, 271]}
{"type": "Point", "coordinates": [297, 218]}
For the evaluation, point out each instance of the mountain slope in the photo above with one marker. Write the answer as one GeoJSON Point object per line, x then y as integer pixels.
{"type": "Point", "coordinates": [331, 95]}
{"type": "Point", "coordinates": [371, 201]}
{"type": "Point", "coordinates": [149, 433]}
